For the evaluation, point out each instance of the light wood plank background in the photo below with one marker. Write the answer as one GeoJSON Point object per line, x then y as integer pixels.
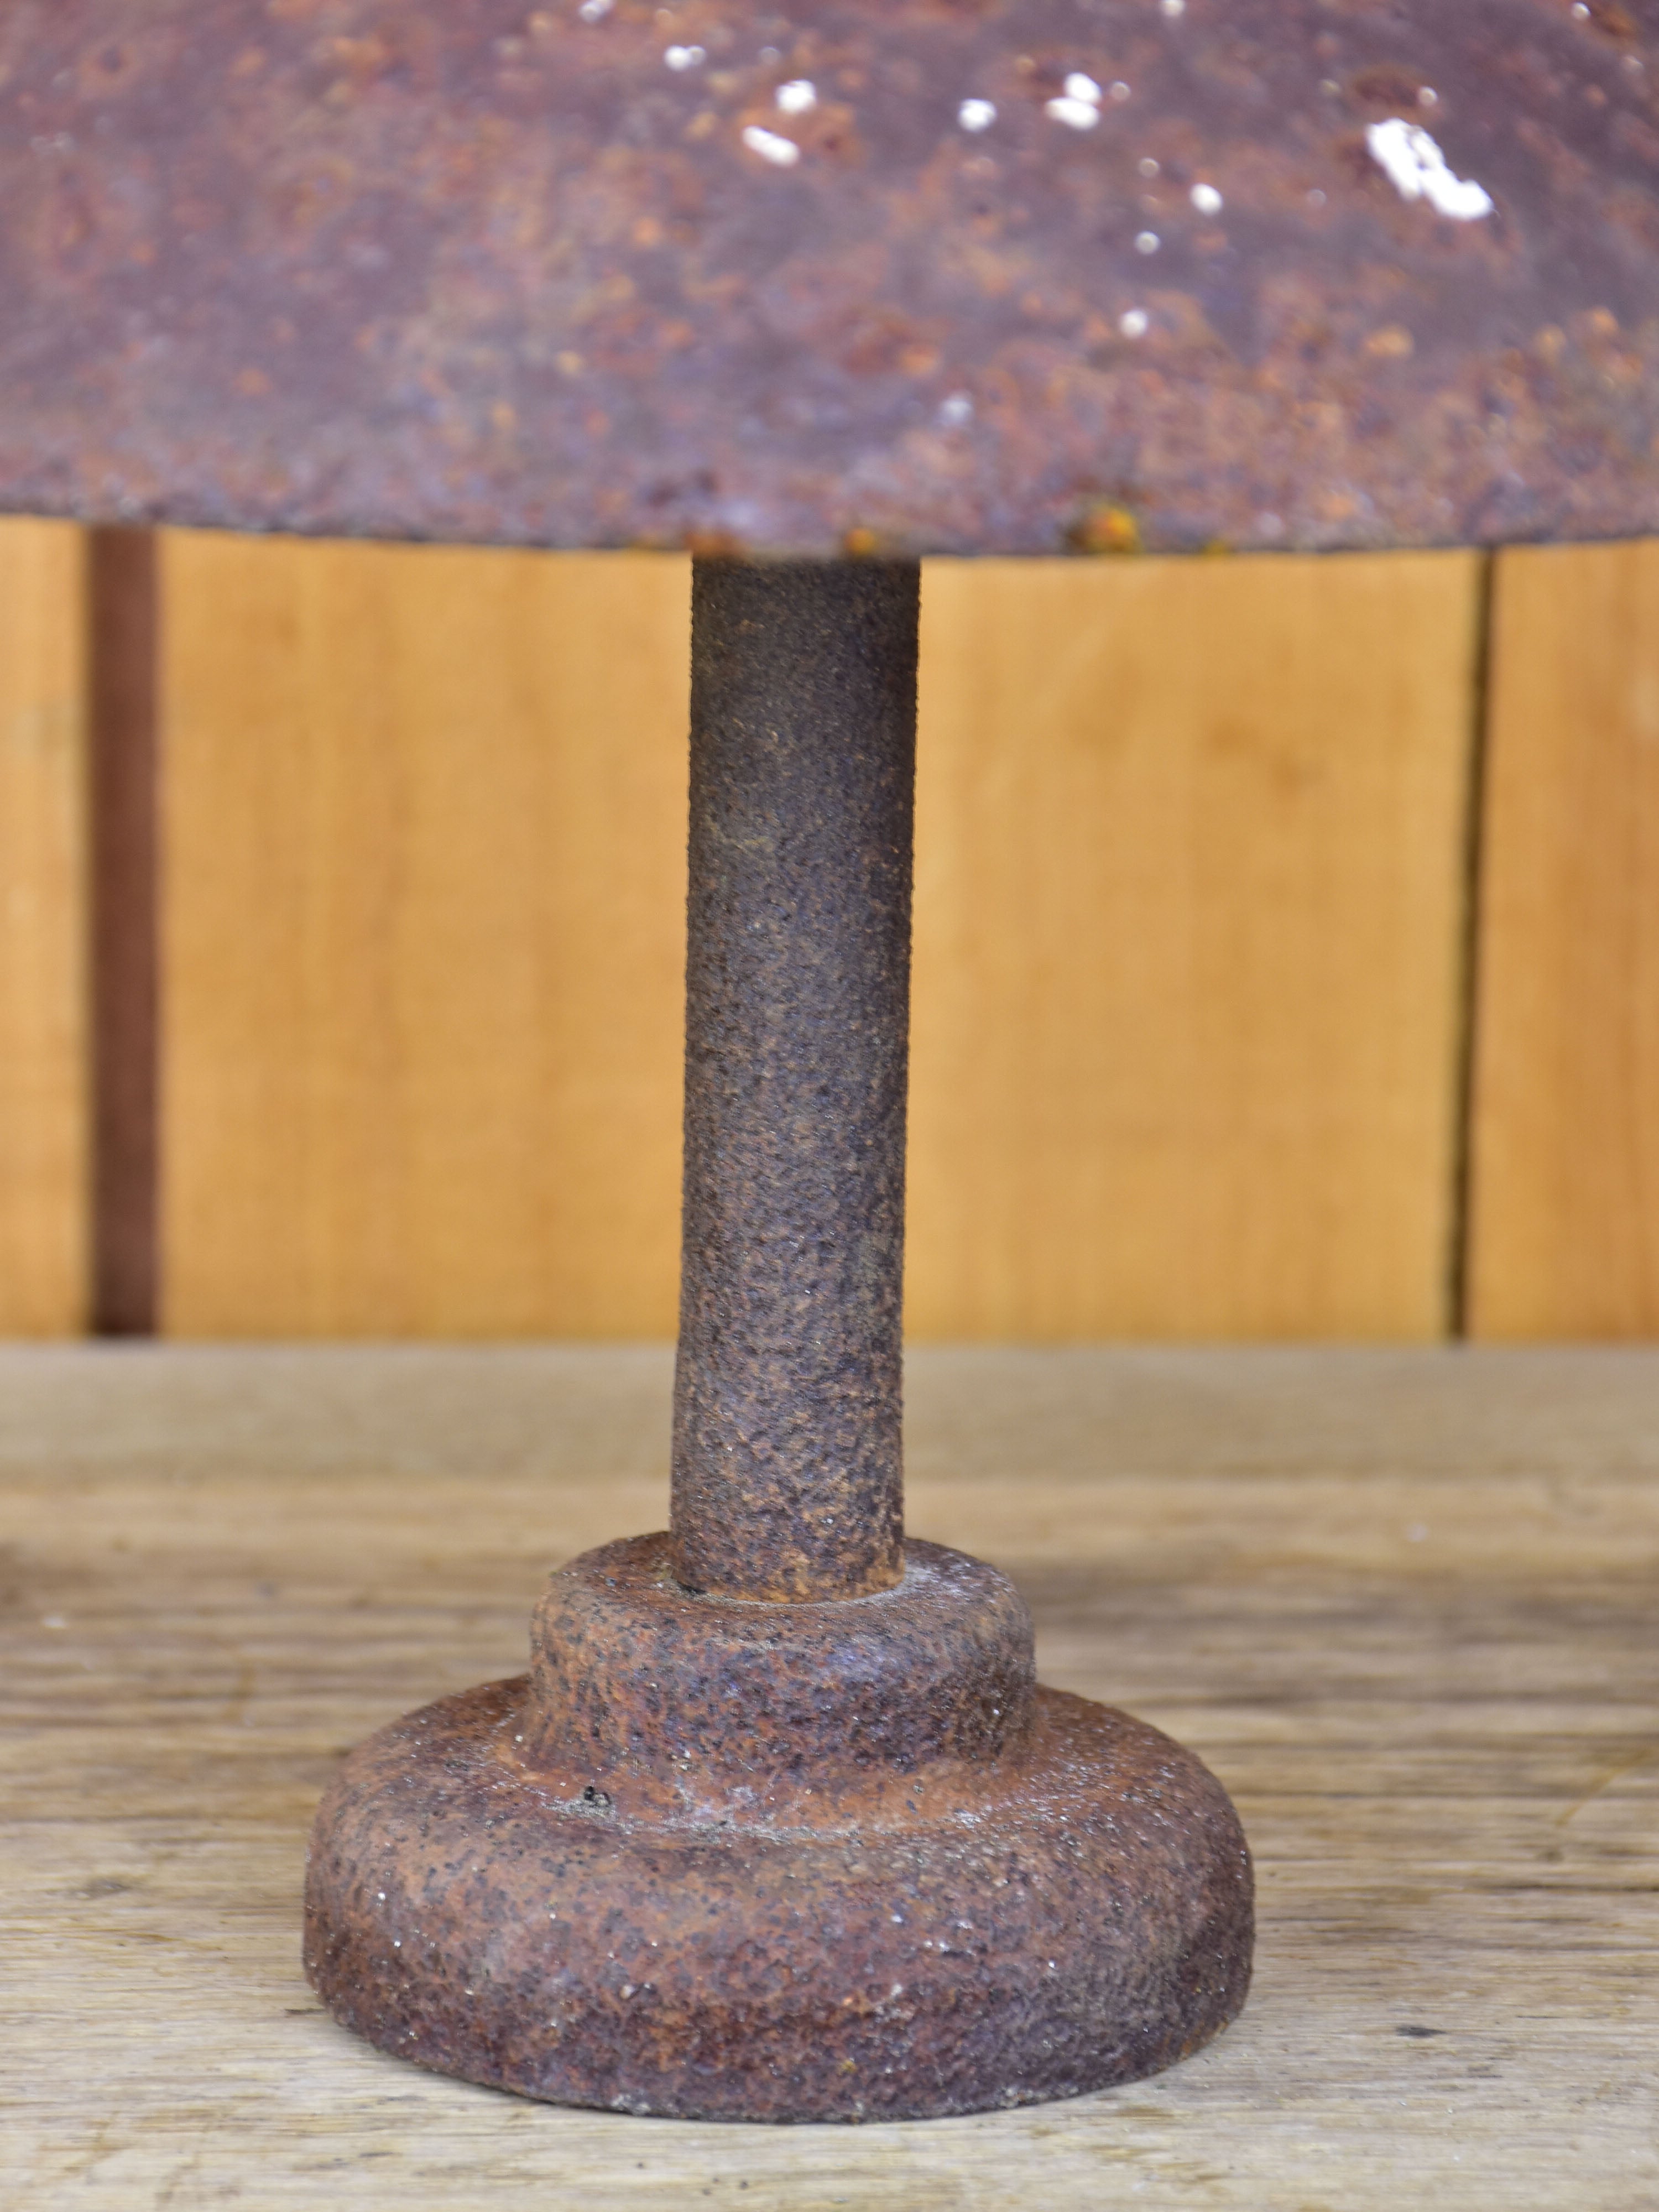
{"type": "Point", "coordinates": [1188, 967]}
{"type": "Point", "coordinates": [1187, 938]}
{"type": "Point", "coordinates": [1401, 1602]}
{"type": "Point", "coordinates": [1191, 926]}
{"type": "Point", "coordinates": [423, 941]}
{"type": "Point", "coordinates": [44, 1099]}
{"type": "Point", "coordinates": [1565, 1200]}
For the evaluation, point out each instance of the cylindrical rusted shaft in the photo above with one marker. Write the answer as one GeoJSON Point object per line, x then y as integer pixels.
{"type": "Point", "coordinates": [787, 1466]}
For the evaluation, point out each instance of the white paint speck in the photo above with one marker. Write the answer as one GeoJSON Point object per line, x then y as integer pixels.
{"type": "Point", "coordinates": [1135, 323]}
{"type": "Point", "coordinates": [1147, 241]}
{"type": "Point", "coordinates": [1120, 90]}
{"type": "Point", "coordinates": [684, 57]}
{"type": "Point", "coordinates": [1078, 114]}
{"type": "Point", "coordinates": [1078, 87]}
{"type": "Point", "coordinates": [1206, 199]}
{"type": "Point", "coordinates": [1417, 169]}
{"type": "Point", "coordinates": [976, 114]}
{"type": "Point", "coordinates": [1581, 11]}
{"type": "Point", "coordinates": [799, 96]}
{"type": "Point", "coordinates": [594, 11]}
{"type": "Point", "coordinates": [1147, 166]}
{"type": "Point", "coordinates": [782, 153]}
{"type": "Point", "coordinates": [956, 410]}
{"type": "Point", "coordinates": [1427, 96]}
{"type": "Point", "coordinates": [381, 1893]}
{"type": "Point", "coordinates": [1173, 7]}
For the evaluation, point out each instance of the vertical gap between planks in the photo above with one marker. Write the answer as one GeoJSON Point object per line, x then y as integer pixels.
{"type": "Point", "coordinates": [1458, 1252]}
{"type": "Point", "coordinates": [121, 631]}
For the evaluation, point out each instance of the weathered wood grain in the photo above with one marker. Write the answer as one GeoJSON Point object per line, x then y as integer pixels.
{"type": "Point", "coordinates": [1403, 1603]}
{"type": "Point", "coordinates": [44, 1094]}
{"type": "Point", "coordinates": [1189, 922]}
{"type": "Point", "coordinates": [1565, 1212]}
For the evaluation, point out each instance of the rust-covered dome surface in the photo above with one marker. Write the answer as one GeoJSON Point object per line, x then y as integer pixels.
{"type": "Point", "coordinates": [992, 276]}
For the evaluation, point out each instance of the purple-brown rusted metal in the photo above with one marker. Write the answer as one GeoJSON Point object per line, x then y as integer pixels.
{"type": "Point", "coordinates": [960, 276]}
{"type": "Point", "coordinates": [780, 1826]}
{"type": "Point", "coordinates": [730, 1860]}
{"type": "Point", "coordinates": [788, 1472]}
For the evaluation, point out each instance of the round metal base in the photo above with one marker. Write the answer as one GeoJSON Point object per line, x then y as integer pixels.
{"type": "Point", "coordinates": [1072, 1911]}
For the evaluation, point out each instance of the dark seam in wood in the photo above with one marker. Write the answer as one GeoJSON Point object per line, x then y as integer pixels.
{"type": "Point", "coordinates": [1459, 1237]}
{"type": "Point", "coordinates": [125, 993]}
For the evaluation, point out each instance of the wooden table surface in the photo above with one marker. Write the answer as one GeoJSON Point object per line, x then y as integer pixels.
{"type": "Point", "coordinates": [1403, 1603]}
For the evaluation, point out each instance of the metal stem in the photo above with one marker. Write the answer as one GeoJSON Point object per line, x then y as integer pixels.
{"type": "Point", "coordinates": [787, 1477]}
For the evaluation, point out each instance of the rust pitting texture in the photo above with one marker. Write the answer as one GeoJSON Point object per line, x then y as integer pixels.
{"type": "Point", "coordinates": [787, 1467]}
{"type": "Point", "coordinates": [780, 1825]}
{"type": "Point", "coordinates": [609, 275]}
{"type": "Point", "coordinates": [896, 1696]}
{"type": "Point", "coordinates": [554, 1884]}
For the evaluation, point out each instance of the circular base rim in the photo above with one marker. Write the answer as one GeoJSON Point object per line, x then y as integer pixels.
{"type": "Point", "coordinates": [1083, 1917]}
